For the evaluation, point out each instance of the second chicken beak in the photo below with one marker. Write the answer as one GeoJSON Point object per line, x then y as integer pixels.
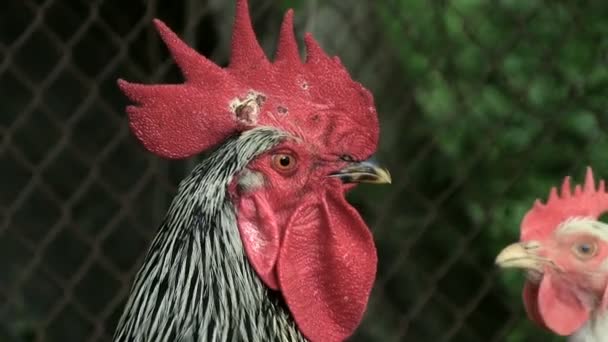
{"type": "Point", "coordinates": [520, 255]}
{"type": "Point", "coordinates": [363, 172]}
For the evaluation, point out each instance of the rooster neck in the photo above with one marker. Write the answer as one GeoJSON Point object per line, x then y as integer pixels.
{"type": "Point", "coordinates": [595, 330]}
{"type": "Point", "coordinates": [196, 283]}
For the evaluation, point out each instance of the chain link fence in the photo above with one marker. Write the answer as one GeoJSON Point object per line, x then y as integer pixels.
{"type": "Point", "coordinates": [484, 105]}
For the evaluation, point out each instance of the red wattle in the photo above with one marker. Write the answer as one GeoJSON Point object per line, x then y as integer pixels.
{"type": "Point", "coordinates": [530, 296]}
{"type": "Point", "coordinates": [326, 267]}
{"type": "Point", "coordinates": [560, 309]}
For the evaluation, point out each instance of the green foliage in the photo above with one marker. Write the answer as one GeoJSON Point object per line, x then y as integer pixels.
{"type": "Point", "coordinates": [291, 4]}
{"type": "Point", "coordinates": [514, 95]}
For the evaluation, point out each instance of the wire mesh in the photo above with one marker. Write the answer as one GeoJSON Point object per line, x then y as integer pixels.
{"type": "Point", "coordinates": [484, 105]}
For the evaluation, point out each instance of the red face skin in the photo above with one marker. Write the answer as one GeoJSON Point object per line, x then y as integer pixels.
{"type": "Point", "coordinates": [291, 175]}
{"type": "Point", "coordinates": [568, 277]}
{"type": "Point", "coordinates": [307, 174]}
{"type": "Point", "coordinates": [579, 258]}
{"type": "Point", "coordinates": [301, 235]}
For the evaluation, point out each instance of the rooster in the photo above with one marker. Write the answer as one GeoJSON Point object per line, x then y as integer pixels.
{"type": "Point", "coordinates": [564, 249]}
{"type": "Point", "coordinates": [259, 243]}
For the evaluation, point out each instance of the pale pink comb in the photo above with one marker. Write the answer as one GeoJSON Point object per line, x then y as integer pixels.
{"type": "Point", "coordinates": [179, 120]}
{"type": "Point", "coordinates": [586, 201]}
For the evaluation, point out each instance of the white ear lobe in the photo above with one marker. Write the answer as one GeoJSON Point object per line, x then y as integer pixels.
{"type": "Point", "coordinates": [250, 180]}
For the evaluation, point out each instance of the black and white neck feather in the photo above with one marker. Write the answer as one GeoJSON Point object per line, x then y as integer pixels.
{"type": "Point", "coordinates": [195, 283]}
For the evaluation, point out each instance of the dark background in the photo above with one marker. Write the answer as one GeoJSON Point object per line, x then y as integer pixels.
{"type": "Point", "coordinates": [484, 105]}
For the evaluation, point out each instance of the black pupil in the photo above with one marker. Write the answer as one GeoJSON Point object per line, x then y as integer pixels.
{"type": "Point", "coordinates": [584, 248]}
{"type": "Point", "coordinates": [285, 161]}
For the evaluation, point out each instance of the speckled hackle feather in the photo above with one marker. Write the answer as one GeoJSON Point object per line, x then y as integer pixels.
{"type": "Point", "coordinates": [179, 120]}
{"type": "Point", "coordinates": [586, 201]}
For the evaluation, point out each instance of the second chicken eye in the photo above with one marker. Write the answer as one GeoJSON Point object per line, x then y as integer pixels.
{"type": "Point", "coordinates": [584, 250]}
{"type": "Point", "coordinates": [284, 162]}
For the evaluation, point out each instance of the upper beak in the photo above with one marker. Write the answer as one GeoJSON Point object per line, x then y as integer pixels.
{"type": "Point", "coordinates": [520, 255]}
{"type": "Point", "coordinates": [363, 172]}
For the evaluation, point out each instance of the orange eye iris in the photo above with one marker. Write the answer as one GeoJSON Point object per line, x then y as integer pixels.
{"type": "Point", "coordinates": [283, 162]}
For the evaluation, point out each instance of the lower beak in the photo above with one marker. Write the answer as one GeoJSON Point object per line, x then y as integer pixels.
{"type": "Point", "coordinates": [363, 172]}
{"type": "Point", "coordinates": [520, 255]}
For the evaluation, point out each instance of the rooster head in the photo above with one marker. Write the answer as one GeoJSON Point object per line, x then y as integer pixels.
{"type": "Point", "coordinates": [564, 249]}
{"type": "Point", "coordinates": [298, 231]}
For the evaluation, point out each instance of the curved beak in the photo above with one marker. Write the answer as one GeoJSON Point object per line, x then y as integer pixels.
{"type": "Point", "coordinates": [363, 172]}
{"type": "Point", "coordinates": [520, 255]}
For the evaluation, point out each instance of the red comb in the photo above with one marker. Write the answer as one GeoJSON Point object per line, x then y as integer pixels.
{"type": "Point", "coordinates": [179, 120]}
{"type": "Point", "coordinates": [586, 201]}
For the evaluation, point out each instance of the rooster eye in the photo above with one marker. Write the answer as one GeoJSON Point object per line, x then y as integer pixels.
{"type": "Point", "coordinates": [584, 250]}
{"type": "Point", "coordinates": [283, 162]}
